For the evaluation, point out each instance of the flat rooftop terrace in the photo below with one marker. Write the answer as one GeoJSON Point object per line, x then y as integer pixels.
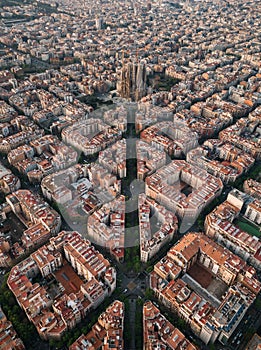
{"type": "Point", "coordinates": [68, 279]}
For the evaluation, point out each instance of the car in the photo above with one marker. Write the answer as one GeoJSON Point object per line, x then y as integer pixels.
{"type": "Point", "coordinates": [125, 290]}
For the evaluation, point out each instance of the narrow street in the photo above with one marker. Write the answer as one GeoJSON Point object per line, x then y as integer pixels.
{"type": "Point", "coordinates": [130, 186]}
{"type": "Point", "coordinates": [132, 320]}
{"type": "Point", "coordinates": [130, 282]}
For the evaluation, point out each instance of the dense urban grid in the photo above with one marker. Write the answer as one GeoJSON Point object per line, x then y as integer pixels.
{"type": "Point", "coordinates": [130, 174]}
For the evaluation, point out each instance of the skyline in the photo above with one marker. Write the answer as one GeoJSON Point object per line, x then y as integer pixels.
{"type": "Point", "coordinates": [130, 150]}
